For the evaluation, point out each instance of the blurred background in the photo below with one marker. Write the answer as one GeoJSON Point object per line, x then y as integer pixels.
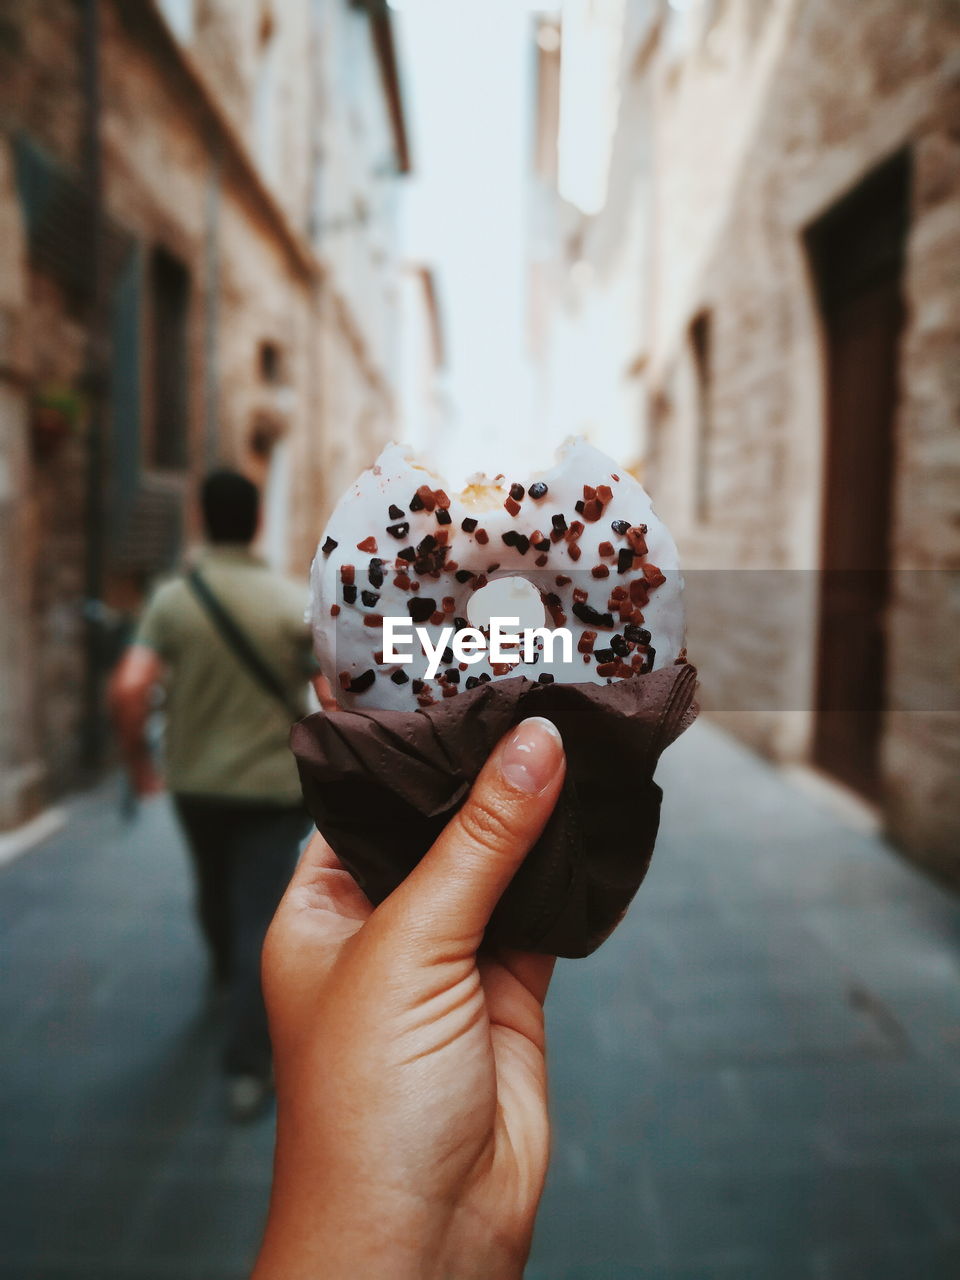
{"type": "Point", "coordinates": [721, 238]}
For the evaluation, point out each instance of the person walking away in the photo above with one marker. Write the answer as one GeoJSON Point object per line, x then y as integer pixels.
{"type": "Point", "coordinates": [230, 644]}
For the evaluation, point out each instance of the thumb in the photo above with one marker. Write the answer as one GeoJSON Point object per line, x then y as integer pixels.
{"type": "Point", "coordinates": [443, 906]}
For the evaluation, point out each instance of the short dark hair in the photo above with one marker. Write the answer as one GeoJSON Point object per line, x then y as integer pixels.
{"type": "Point", "coordinates": [231, 507]}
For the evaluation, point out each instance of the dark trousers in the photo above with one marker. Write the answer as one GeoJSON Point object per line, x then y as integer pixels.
{"type": "Point", "coordinates": [243, 856]}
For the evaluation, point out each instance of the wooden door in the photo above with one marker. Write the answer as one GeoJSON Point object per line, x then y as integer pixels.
{"type": "Point", "coordinates": [857, 252]}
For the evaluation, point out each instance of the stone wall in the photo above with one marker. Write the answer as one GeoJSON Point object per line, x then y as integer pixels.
{"type": "Point", "coordinates": [290, 347]}
{"type": "Point", "coordinates": [813, 98]}
{"type": "Point", "coordinates": [740, 124]}
{"type": "Point", "coordinates": [23, 774]}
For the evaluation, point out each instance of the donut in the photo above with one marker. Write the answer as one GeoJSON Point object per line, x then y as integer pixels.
{"type": "Point", "coordinates": [583, 533]}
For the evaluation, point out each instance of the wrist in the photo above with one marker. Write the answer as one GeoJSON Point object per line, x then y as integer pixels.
{"type": "Point", "coordinates": [407, 1240]}
{"type": "Point", "coordinates": [335, 1252]}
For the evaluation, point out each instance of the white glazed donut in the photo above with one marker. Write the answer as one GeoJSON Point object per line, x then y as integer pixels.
{"type": "Point", "coordinates": [584, 533]}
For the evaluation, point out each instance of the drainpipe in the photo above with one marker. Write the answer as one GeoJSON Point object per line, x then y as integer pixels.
{"type": "Point", "coordinates": [211, 397]}
{"type": "Point", "coordinates": [93, 736]}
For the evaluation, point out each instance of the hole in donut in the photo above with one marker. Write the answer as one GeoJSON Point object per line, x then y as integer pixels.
{"type": "Point", "coordinates": [508, 597]}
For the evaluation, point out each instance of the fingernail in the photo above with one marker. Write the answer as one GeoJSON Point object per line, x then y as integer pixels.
{"type": "Point", "coordinates": [532, 755]}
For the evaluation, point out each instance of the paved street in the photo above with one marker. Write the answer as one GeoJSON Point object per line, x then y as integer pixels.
{"type": "Point", "coordinates": [758, 1077]}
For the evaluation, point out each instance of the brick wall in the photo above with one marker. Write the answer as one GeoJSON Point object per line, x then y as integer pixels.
{"type": "Point", "coordinates": [740, 125]}
{"type": "Point", "coordinates": [819, 95]}
{"type": "Point", "coordinates": [283, 344]}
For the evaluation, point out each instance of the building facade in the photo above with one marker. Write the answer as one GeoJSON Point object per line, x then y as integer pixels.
{"type": "Point", "coordinates": [772, 285]}
{"type": "Point", "coordinates": [198, 259]}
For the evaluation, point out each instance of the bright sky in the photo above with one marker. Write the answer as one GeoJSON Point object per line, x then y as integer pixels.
{"type": "Point", "coordinates": [468, 78]}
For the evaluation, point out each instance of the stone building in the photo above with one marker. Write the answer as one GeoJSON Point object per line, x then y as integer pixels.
{"type": "Point", "coordinates": [199, 262]}
{"type": "Point", "coordinates": [764, 312]}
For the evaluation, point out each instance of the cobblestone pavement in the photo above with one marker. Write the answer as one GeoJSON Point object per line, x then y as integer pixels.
{"type": "Point", "coordinates": [757, 1077]}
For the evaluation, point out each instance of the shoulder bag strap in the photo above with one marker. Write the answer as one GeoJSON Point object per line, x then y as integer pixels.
{"type": "Point", "coordinates": [238, 643]}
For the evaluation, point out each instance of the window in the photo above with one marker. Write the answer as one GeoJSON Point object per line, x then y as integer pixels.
{"type": "Point", "coordinates": [180, 17]}
{"type": "Point", "coordinates": [170, 303]}
{"type": "Point", "coordinates": [266, 100]}
{"type": "Point", "coordinates": [701, 344]}
{"type": "Point", "coordinates": [270, 363]}
{"type": "Point", "coordinates": [548, 101]}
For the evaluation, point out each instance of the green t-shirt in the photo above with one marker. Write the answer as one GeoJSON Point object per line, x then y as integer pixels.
{"type": "Point", "coordinates": [225, 735]}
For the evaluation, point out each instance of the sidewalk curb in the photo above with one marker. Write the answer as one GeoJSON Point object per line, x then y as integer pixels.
{"type": "Point", "coordinates": [38, 829]}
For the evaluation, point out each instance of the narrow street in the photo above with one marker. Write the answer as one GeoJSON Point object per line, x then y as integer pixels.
{"type": "Point", "coordinates": [757, 1078]}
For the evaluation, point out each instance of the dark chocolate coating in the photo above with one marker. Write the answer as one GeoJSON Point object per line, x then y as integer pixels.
{"type": "Point", "coordinates": [381, 786]}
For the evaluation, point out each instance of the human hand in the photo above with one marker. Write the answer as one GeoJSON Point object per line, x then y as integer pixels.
{"type": "Point", "coordinates": [146, 779]}
{"type": "Point", "coordinates": [412, 1127]}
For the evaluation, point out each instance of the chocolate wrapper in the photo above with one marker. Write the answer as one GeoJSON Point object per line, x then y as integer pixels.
{"type": "Point", "coordinates": [381, 786]}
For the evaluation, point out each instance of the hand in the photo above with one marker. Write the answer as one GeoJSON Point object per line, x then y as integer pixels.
{"type": "Point", "coordinates": [324, 692]}
{"type": "Point", "coordinates": [146, 780]}
{"type": "Point", "coordinates": [412, 1128]}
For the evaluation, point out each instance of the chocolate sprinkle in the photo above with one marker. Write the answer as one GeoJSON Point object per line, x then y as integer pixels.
{"type": "Point", "coordinates": [586, 613]}
{"type": "Point", "coordinates": [559, 523]}
{"type": "Point", "coordinates": [443, 515]}
{"type": "Point", "coordinates": [545, 678]}
{"type": "Point", "coordinates": [516, 492]}
{"type": "Point", "coordinates": [620, 526]}
{"type": "Point", "coordinates": [538, 490]}
{"type": "Point", "coordinates": [518, 540]}
{"type": "Point", "coordinates": [329, 545]}
{"type": "Point", "coordinates": [375, 573]}
{"type": "Point", "coordinates": [416, 504]}
{"type": "Point", "coordinates": [369, 598]}
{"type": "Point", "coordinates": [398, 531]}
{"type": "Point", "coordinates": [624, 560]}
{"type": "Point", "coordinates": [453, 675]}
{"type": "Point", "coordinates": [620, 646]}
{"type": "Point", "coordinates": [361, 683]}
{"type": "Point", "coordinates": [400, 677]}
{"type": "Point", "coordinates": [407, 554]}
{"type": "Point", "coordinates": [639, 635]}
{"type": "Point", "coordinates": [421, 608]}
{"type": "Point", "coordinates": [464, 575]}
{"type": "Point", "coordinates": [468, 524]}
{"type": "Point", "coordinates": [395, 512]}
{"type": "Point", "coordinates": [604, 655]}
{"type": "Point", "coordinates": [349, 593]}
